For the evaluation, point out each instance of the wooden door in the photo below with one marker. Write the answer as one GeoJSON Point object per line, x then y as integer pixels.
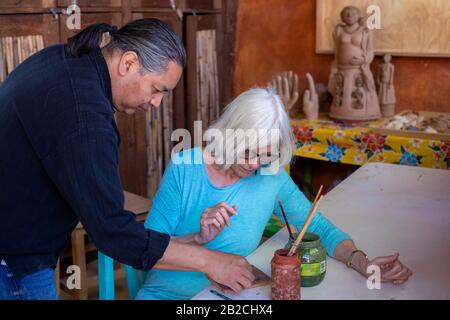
{"type": "Point", "coordinates": [204, 68]}
{"type": "Point", "coordinates": [94, 5]}
{"type": "Point", "coordinates": [150, 4]}
{"type": "Point", "coordinates": [200, 5]}
{"type": "Point", "coordinates": [24, 6]}
{"type": "Point", "coordinates": [184, 5]}
{"type": "Point", "coordinates": [139, 171]}
{"type": "Point", "coordinates": [30, 24]}
{"type": "Point", "coordinates": [113, 18]}
{"type": "Point", "coordinates": [21, 35]}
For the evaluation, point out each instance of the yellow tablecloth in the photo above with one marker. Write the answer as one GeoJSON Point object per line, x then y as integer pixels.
{"type": "Point", "coordinates": [351, 144]}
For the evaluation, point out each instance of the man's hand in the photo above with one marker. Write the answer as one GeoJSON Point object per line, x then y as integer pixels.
{"type": "Point", "coordinates": [230, 270]}
{"type": "Point", "coordinates": [213, 220]}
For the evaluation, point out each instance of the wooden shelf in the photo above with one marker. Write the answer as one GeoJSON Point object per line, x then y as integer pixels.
{"type": "Point", "coordinates": [18, 10]}
{"type": "Point", "coordinates": [89, 4]}
{"type": "Point", "coordinates": [183, 5]}
{"type": "Point", "coordinates": [98, 9]}
{"type": "Point", "coordinates": [185, 11]}
{"type": "Point", "coordinates": [48, 10]}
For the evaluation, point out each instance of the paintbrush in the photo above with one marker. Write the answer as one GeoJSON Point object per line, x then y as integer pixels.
{"type": "Point", "coordinates": [311, 213]}
{"type": "Point", "coordinates": [305, 226]}
{"type": "Point", "coordinates": [285, 220]}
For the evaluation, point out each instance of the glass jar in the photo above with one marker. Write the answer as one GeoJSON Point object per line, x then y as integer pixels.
{"type": "Point", "coordinates": [285, 276]}
{"type": "Point", "coordinates": [313, 259]}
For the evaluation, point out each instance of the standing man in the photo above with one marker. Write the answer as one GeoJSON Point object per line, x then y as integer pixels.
{"type": "Point", "coordinates": [59, 157]}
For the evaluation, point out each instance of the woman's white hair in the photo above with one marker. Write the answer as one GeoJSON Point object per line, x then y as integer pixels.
{"type": "Point", "coordinates": [258, 110]}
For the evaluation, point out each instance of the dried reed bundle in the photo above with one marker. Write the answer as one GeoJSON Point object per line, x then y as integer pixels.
{"type": "Point", "coordinates": [14, 50]}
{"type": "Point", "coordinates": [207, 78]}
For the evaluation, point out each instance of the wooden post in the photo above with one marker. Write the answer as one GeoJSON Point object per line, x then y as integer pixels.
{"type": "Point", "coordinates": [79, 259]}
{"type": "Point", "coordinates": [57, 278]}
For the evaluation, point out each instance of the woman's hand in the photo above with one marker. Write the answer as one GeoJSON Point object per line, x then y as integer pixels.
{"type": "Point", "coordinates": [392, 270]}
{"type": "Point", "coordinates": [213, 220]}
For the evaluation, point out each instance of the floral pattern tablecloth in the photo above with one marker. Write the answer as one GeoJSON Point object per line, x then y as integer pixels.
{"type": "Point", "coordinates": [351, 144]}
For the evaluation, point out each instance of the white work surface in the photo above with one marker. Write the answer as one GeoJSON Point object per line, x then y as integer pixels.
{"type": "Point", "coordinates": [385, 208]}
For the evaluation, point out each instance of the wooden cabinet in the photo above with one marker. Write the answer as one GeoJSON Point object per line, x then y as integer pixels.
{"type": "Point", "coordinates": [15, 6]}
{"type": "Point", "coordinates": [27, 3]}
{"type": "Point", "coordinates": [92, 4]}
{"type": "Point", "coordinates": [204, 68]}
{"type": "Point", "coordinates": [113, 18]}
{"type": "Point", "coordinates": [200, 5]}
{"type": "Point", "coordinates": [184, 5]}
{"type": "Point", "coordinates": [151, 4]}
{"type": "Point", "coordinates": [35, 17]}
{"type": "Point", "coordinates": [14, 25]}
{"type": "Point", "coordinates": [173, 21]}
{"type": "Point", "coordinates": [137, 156]}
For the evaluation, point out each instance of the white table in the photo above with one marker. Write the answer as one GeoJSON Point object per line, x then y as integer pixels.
{"type": "Point", "coordinates": [385, 208]}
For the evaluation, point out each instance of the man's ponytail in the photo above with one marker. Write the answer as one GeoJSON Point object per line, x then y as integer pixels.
{"type": "Point", "coordinates": [88, 39]}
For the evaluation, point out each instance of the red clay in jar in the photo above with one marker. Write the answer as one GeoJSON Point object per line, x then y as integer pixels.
{"type": "Point", "coordinates": [285, 276]}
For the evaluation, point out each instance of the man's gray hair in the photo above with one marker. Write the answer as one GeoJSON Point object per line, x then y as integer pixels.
{"type": "Point", "coordinates": [154, 42]}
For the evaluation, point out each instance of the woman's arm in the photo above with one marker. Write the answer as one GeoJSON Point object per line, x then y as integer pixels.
{"type": "Point", "coordinates": [338, 244]}
{"type": "Point", "coordinates": [297, 206]}
{"type": "Point", "coordinates": [359, 262]}
{"type": "Point", "coordinates": [390, 267]}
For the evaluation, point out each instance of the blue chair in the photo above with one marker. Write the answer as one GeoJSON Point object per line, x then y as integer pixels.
{"type": "Point", "coordinates": [106, 287]}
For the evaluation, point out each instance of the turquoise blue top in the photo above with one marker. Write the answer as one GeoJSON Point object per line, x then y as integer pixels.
{"type": "Point", "coordinates": [184, 193]}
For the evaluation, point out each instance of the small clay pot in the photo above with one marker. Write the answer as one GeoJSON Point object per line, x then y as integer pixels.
{"type": "Point", "coordinates": [285, 276]}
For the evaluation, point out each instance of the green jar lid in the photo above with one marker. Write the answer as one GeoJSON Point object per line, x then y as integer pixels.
{"type": "Point", "coordinates": [310, 240]}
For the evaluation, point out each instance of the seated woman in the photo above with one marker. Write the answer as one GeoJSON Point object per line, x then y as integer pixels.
{"type": "Point", "coordinates": [224, 205]}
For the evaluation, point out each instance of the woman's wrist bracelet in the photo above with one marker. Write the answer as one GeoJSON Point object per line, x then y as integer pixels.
{"type": "Point", "coordinates": [350, 257]}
